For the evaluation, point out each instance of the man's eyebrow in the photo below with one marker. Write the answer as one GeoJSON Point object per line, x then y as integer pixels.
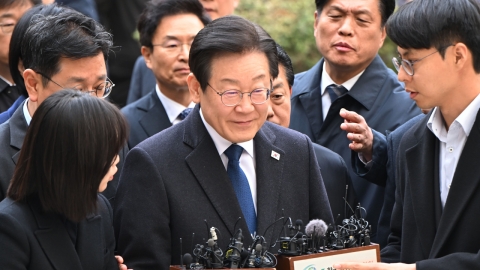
{"type": "Point", "coordinates": [6, 15]}
{"type": "Point", "coordinates": [337, 8]}
{"type": "Point", "coordinates": [228, 80]}
{"type": "Point", "coordinates": [277, 85]}
{"type": "Point", "coordinates": [81, 79]}
{"type": "Point", "coordinates": [406, 53]}
{"type": "Point", "coordinates": [362, 11]}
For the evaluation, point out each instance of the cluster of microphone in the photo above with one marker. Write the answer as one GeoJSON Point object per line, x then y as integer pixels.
{"type": "Point", "coordinates": [319, 237]}
{"type": "Point", "coordinates": [316, 237]}
{"type": "Point", "coordinates": [210, 256]}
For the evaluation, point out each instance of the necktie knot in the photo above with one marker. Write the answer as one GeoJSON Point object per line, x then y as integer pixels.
{"type": "Point", "coordinates": [185, 113]}
{"type": "Point", "coordinates": [234, 152]}
{"type": "Point", "coordinates": [336, 91]}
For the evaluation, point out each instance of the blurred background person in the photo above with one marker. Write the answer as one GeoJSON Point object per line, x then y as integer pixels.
{"type": "Point", "coordinates": [10, 13]}
{"type": "Point", "coordinates": [143, 80]}
{"type": "Point", "coordinates": [167, 29]}
{"type": "Point", "coordinates": [53, 216]}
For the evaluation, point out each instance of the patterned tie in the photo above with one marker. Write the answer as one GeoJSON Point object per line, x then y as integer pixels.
{"type": "Point", "coordinates": [184, 113]}
{"type": "Point", "coordinates": [336, 91]}
{"type": "Point", "coordinates": [241, 186]}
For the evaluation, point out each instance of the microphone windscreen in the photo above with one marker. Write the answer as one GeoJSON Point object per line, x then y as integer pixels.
{"type": "Point", "coordinates": [299, 222]}
{"type": "Point", "coordinates": [316, 227]}
{"type": "Point", "coordinates": [187, 259]}
{"type": "Point", "coordinates": [211, 242]}
{"type": "Point", "coordinates": [258, 248]}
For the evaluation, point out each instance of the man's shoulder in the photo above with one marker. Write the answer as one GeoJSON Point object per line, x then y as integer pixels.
{"type": "Point", "coordinates": [142, 104]}
{"type": "Point", "coordinates": [304, 80]}
{"type": "Point", "coordinates": [284, 137]}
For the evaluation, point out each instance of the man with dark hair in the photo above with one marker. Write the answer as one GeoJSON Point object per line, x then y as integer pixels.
{"type": "Point", "coordinates": [68, 50]}
{"type": "Point", "coordinates": [435, 217]}
{"type": "Point", "coordinates": [222, 162]}
{"type": "Point", "coordinates": [167, 29]}
{"type": "Point", "coordinates": [351, 75]}
{"type": "Point", "coordinates": [10, 12]}
{"type": "Point", "coordinates": [335, 175]}
{"type": "Point", "coordinates": [143, 80]}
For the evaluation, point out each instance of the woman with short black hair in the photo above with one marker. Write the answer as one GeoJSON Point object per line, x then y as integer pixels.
{"type": "Point", "coordinates": [53, 216]}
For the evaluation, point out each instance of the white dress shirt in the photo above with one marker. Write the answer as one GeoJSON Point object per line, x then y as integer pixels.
{"type": "Point", "coordinates": [326, 81]}
{"type": "Point", "coordinates": [26, 113]}
{"type": "Point", "coordinates": [172, 107]}
{"type": "Point", "coordinates": [247, 159]}
{"type": "Point", "coordinates": [452, 142]}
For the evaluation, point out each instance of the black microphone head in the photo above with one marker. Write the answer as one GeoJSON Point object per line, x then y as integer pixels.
{"type": "Point", "coordinates": [316, 227]}
{"type": "Point", "coordinates": [244, 254]}
{"type": "Point", "coordinates": [187, 259]}
{"type": "Point", "coordinates": [299, 222]}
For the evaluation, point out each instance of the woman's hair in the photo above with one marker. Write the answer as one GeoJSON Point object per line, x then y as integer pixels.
{"type": "Point", "coordinates": [15, 54]}
{"type": "Point", "coordinates": [69, 147]}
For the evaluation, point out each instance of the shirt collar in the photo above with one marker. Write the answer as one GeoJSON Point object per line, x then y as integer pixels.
{"type": "Point", "coordinates": [327, 80]}
{"type": "Point", "coordinates": [172, 107]}
{"type": "Point", "coordinates": [466, 119]}
{"type": "Point", "coordinates": [221, 143]}
{"type": "Point", "coordinates": [6, 81]}
{"type": "Point", "coordinates": [26, 113]}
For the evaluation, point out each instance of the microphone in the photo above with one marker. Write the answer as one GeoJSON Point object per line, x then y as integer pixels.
{"type": "Point", "coordinates": [187, 259]}
{"type": "Point", "coordinates": [316, 227]}
{"type": "Point", "coordinates": [235, 252]}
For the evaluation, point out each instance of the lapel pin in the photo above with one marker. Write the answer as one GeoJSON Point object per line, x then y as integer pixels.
{"type": "Point", "coordinates": [275, 155]}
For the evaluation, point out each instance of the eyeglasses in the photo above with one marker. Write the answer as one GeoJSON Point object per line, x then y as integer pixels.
{"type": "Point", "coordinates": [7, 28]}
{"type": "Point", "coordinates": [102, 91]}
{"type": "Point", "coordinates": [174, 46]}
{"type": "Point", "coordinates": [233, 97]}
{"type": "Point", "coordinates": [408, 65]}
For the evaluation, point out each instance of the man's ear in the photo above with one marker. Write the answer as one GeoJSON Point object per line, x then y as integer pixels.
{"type": "Point", "coordinates": [33, 82]}
{"type": "Point", "coordinates": [146, 53]}
{"type": "Point", "coordinates": [461, 54]}
{"type": "Point", "coordinates": [194, 88]}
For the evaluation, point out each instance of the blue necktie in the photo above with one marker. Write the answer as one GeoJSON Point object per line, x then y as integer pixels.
{"type": "Point", "coordinates": [185, 113]}
{"type": "Point", "coordinates": [241, 186]}
{"type": "Point", "coordinates": [336, 91]}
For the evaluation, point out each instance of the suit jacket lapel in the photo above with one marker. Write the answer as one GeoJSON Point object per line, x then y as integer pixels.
{"type": "Point", "coordinates": [311, 100]}
{"type": "Point", "coordinates": [155, 118]}
{"type": "Point", "coordinates": [464, 185]}
{"type": "Point", "coordinates": [421, 165]}
{"type": "Point", "coordinates": [269, 173]}
{"type": "Point", "coordinates": [89, 243]}
{"type": "Point", "coordinates": [209, 171]}
{"type": "Point", "coordinates": [54, 239]}
{"type": "Point", "coordinates": [18, 130]}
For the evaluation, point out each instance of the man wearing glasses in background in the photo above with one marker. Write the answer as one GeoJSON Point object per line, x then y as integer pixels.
{"type": "Point", "coordinates": [167, 29]}
{"type": "Point", "coordinates": [10, 12]}
{"type": "Point", "coordinates": [64, 51]}
{"type": "Point", "coordinates": [222, 162]}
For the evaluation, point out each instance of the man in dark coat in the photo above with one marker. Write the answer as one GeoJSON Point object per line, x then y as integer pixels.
{"type": "Point", "coordinates": [352, 76]}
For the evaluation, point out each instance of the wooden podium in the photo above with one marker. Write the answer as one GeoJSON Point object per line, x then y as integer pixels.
{"type": "Point", "coordinates": [326, 260]}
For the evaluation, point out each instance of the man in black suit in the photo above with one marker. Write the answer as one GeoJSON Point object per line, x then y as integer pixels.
{"type": "Point", "coordinates": [352, 76]}
{"type": "Point", "coordinates": [143, 80]}
{"type": "Point", "coordinates": [223, 162]}
{"type": "Point", "coordinates": [167, 29]}
{"type": "Point", "coordinates": [335, 175]}
{"type": "Point", "coordinates": [435, 217]}
{"type": "Point", "coordinates": [77, 62]}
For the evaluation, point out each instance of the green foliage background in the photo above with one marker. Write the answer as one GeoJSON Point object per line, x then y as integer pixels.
{"type": "Point", "coordinates": [290, 23]}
